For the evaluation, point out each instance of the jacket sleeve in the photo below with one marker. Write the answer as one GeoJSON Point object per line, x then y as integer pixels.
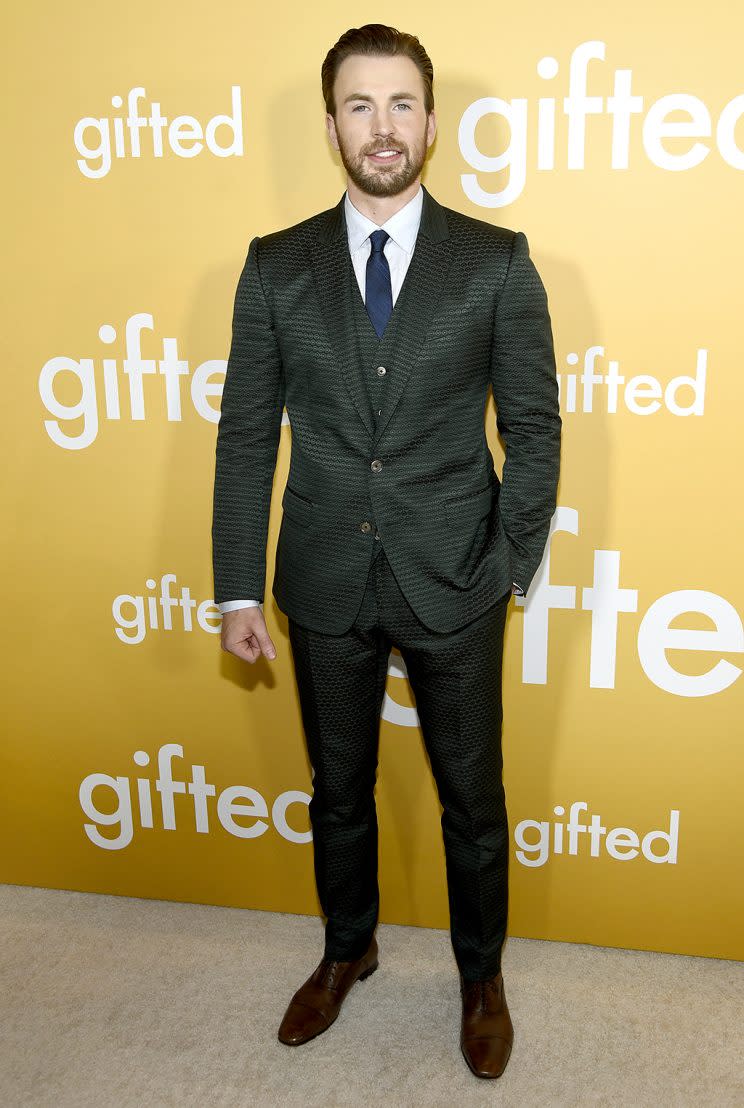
{"type": "Point", "coordinates": [247, 442]}
{"type": "Point", "coordinates": [525, 389]}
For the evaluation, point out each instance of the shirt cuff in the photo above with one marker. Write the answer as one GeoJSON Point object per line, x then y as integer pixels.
{"type": "Point", "coordinates": [233, 605]}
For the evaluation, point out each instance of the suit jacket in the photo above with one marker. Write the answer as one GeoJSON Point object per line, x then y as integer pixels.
{"type": "Point", "coordinates": [472, 314]}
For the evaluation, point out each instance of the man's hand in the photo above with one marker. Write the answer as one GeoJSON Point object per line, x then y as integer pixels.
{"type": "Point", "coordinates": [244, 634]}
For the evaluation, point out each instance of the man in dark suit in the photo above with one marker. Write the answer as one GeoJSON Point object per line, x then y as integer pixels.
{"type": "Point", "coordinates": [381, 324]}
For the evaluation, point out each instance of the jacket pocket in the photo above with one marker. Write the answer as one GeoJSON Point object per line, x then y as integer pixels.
{"type": "Point", "coordinates": [467, 516]}
{"type": "Point", "coordinates": [297, 507]}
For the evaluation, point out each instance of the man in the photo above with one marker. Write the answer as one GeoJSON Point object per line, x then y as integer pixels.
{"type": "Point", "coordinates": [380, 324]}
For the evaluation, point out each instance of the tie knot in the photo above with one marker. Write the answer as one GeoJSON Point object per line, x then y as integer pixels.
{"type": "Point", "coordinates": [378, 240]}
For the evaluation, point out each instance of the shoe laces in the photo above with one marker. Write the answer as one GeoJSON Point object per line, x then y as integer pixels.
{"type": "Point", "coordinates": [480, 989]}
{"type": "Point", "coordinates": [330, 970]}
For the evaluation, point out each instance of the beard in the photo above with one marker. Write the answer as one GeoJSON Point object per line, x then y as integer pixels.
{"type": "Point", "coordinates": [379, 180]}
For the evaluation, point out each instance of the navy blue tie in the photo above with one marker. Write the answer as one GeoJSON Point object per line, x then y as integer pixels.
{"type": "Point", "coordinates": [378, 293]}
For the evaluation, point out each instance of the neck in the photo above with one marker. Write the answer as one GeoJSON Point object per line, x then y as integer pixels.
{"type": "Point", "coordinates": [380, 208]}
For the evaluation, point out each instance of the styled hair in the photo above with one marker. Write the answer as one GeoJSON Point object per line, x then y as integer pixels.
{"type": "Point", "coordinates": [376, 40]}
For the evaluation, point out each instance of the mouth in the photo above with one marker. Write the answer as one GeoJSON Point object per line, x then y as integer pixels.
{"type": "Point", "coordinates": [384, 157]}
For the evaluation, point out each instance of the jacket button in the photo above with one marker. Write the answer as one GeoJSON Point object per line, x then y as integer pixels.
{"type": "Point", "coordinates": [376, 465]}
{"type": "Point", "coordinates": [381, 371]}
{"type": "Point", "coordinates": [365, 526]}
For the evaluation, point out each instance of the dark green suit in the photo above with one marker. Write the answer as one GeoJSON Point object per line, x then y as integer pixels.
{"type": "Point", "coordinates": [396, 530]}
{"type": "Point", "coordinates": [472, 312]}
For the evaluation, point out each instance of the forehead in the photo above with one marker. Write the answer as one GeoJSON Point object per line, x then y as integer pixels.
{"type": "Point", "coordinates": [378, 76]}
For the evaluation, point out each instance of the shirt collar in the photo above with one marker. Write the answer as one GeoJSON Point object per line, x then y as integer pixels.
{"type": "Point", "coordinates": [402, 227]}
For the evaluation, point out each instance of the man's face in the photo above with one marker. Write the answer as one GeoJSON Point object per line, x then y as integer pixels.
{"type": "Point", "coordinates": [380, 107]}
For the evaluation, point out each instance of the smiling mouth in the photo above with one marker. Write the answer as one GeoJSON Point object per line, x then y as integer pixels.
{"type": "Point", "coordinates": [389, 155]}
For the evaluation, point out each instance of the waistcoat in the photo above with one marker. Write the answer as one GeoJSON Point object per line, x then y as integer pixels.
{"type": "Point", "coordinates": [368, 348]}
{"type": "Point", "coordinates": [370, 353]}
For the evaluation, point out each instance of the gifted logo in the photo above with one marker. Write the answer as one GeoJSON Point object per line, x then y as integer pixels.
{"type": "Point", "coordinates": [98, 140]}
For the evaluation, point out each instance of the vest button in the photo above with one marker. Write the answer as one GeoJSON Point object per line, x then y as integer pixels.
{"type": "Point", "coordinates": [376, 465]}
{"type": "Point", "coordinates": [366, 526]}
{"type": "Point", "coordinates": [381, 371]}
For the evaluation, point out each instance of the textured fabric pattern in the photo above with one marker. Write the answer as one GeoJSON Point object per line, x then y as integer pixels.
{"type": "Point", "coordinates": [456, 679]}
{"type": "Point", "coordinates": [471, 315]}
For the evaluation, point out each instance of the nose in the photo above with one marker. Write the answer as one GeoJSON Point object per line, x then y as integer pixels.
{"type": "Point", "coordinates": [383, 124]}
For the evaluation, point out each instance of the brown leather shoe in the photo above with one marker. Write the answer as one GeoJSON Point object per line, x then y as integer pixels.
{"type": "Point", "coordinates": [486, 1034]}
{"type": "Point", "coordinates": [317, 1002]}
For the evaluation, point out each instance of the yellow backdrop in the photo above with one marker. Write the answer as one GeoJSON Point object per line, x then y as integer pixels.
{"type": "Point", "coordinates": [146, 153]}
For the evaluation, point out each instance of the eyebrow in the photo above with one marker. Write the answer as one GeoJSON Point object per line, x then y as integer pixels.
{"type": "Point", "coordinates": [366, 96]}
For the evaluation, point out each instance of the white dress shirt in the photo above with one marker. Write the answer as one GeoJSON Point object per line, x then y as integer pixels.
{"type": "Point", "coordinates": [403, 230]}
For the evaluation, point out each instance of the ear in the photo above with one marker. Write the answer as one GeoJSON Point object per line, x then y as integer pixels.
{"type": "Point", "coordinates": [431, 127]}
{"type": "Point", "coordinates": [331, 128]}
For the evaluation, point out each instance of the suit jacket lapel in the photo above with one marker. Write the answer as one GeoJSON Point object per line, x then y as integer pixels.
{"type": "Point", "coordinates": [334, 274]}
{"type": "Point", "coordinates": [403, 339]}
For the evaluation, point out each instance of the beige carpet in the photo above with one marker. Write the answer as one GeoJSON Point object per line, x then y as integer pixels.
{"type": "Point", "coordinates": [115, 1001]}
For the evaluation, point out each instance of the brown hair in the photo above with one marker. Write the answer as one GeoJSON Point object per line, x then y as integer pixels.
{"type": "Point", "coordinates": [378, 40]}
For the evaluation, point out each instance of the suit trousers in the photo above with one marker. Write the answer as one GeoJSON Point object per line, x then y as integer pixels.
{"type": "Point", "coordinates": [456, 681]}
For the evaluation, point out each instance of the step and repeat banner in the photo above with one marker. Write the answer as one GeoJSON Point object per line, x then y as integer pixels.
{"type": "Point", "coordinates": [143, 156]}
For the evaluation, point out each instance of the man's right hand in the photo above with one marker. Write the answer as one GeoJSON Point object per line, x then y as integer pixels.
{"type": "Point", "coordinates": [244, 634]}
